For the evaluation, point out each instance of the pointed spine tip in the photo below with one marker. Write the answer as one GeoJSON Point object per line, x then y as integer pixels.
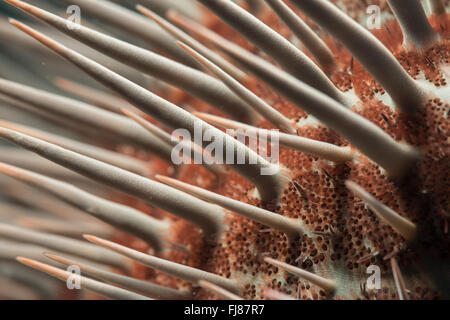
{"type": "Point", "coordinates": [276, 295]}
{"type": "Point", "coordinates": [177, 33]}
{"type": "Point", "coordinates": [188, 79]}
{"type": "Point", "coordinates": [125, 218]}
{"type": "Point", "coordinates": [403, 226]}
{"type": "Point", "coordinates": [398, 279]}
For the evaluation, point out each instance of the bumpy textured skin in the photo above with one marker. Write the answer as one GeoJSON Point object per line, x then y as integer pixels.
{"type": "Point", "coordinates": [343, 236]}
